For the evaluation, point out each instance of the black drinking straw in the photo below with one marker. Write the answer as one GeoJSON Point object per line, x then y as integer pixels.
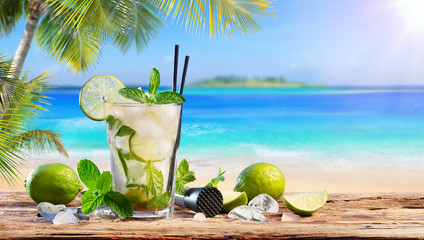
{"type": "Point", "coordinates": [174, 80]}
{"type": "Point", "coordinates": [184, 74]}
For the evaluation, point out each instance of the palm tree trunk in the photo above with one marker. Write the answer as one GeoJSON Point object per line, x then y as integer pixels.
{"type": "Point", "coordinates": [35, 10]}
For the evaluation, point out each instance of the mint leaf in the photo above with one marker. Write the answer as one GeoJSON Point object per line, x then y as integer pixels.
{"type": "Point", "coordinates": [125, 131]}
{"type": "Point", "coordinates": [183, 167]}
{"type": "Point", "coordinates": [123, 163]}
{"type": "Point", "coordinates": [183, 177]}
{"type": "Point", "coordinates": [134, 94]}
{"type": "Point", "coordinates": [159, 202]}
{"type": "Point", "coordinates": [154, 179]}
{"type": "Point", "coordinates": [104, 182]}
{"type": "Point", "coordinates": [154, 81]}
{"type": "Point", "coordinates": [90, 201]}
{"type": "Point", "coordinates": [112, 122]}
{"type": "Point", "coordinates": [119, 203]}
{"type": "Point", "coordinates": [214, 181]}
{"type": "Point", "coordinates": [88, 173]}
{"type": "Point", "coordinates": [146, 189]}
{"type": "Point", "coordinates": [169, 97]}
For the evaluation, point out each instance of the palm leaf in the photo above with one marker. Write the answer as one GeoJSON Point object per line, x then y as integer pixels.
{"type": "Point", "coordinates": [40, 141]}
{"type": "Point", "coordinates": [10, 14]}
{"type": "Point", "coordinates": [78, 49]}
{"type": "Point", "coordinates": [139, 26]}
{"type": "Point", "coordinates": [223, 16]}
{"type": "Point", "coordinates": [16, 114]}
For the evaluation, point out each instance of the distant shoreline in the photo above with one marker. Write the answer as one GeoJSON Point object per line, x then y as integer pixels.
{"type": "Point", "coordinates": [243, 82]}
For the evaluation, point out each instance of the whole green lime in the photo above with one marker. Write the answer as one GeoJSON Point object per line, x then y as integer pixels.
{"type": "Point", "coordinates": [54, 183]}
{"type": "Point", "coordinates": [261, 178]}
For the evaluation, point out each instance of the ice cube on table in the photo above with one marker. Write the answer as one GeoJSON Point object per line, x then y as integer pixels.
{"type": "Point", "coordinates": [103, 214]}
{"type": "Point", "coordinates": [65, 218]}
{"type": "Point", "coordinates": [78, 213]}
{"type": "Point", "coordinates": [61, 206]}
{"type": "Point", "coordinates": [48, 210]}
{"type": "Point", "coordinates": [247, 213]}
{"type": "Point", "coordinates": [199, 217]}
{"type": "Point", "coordinates": [288, 217]}
{"type": "Point", "coordinates": [264, 203]}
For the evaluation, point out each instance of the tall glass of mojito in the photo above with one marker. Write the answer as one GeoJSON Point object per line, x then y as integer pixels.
{"type": "Point", "coordinates": [143, 139]}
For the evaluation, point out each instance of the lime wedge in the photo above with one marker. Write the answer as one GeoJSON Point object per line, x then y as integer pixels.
{"type": "Point", "coordinates": [232, 200]}
{"type": "Point", "coordinates": [96, 92]}
{"type": "Point", "coordinates": [304, 204]}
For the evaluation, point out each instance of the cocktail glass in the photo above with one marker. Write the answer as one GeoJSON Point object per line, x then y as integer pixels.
{"type": "Point", "coordinates": [143, 141]}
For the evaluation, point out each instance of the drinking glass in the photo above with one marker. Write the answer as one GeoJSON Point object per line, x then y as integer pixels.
{"type": "Point", "coordinates": [143, 140]}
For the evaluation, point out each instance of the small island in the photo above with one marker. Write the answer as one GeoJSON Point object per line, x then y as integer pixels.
{"type": "Point", "coordinates": [233, 81]}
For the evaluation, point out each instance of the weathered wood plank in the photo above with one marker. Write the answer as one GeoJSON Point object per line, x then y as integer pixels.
{"type": "Point", "coordinates": [345, 216]}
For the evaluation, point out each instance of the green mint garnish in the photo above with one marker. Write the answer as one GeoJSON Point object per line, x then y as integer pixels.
{"type": "Point", "coordinates": [125, 131]}
{"type": "Point", "coordinates": [153, 97]}
{"type": "Point", "coordinates": [100, 190]}
{"type": "Point", "coordinates": [119, 203]}
{"type": "Point", "coordinates": [154, 179]}
{"type": "Point", "coordinates": [169, 98]}
{"type": "Point", "coordinates": [88, 173]}
{"type": "Point", "coordinates": [159, 201]}
{"type": "Point", "coordinates": [90, 201]}
{"type": "Point", "coordinates": [112, 122]}
{"type": "Point", "coordinates": [134, 94]}
{"type": "Point", "coordinates": [104, 182]}
{"type": "Point", "coordinates": [154, 81]}
{"type": "Point", "coordinates": [184, 176]}
{"type": "Point", "coordinates": [214, 181]}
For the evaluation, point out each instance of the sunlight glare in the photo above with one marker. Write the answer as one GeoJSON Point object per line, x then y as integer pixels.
{"type": "Point", "coordinates": [412, 11]}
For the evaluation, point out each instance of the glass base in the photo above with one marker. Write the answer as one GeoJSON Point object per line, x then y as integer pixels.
{"type": "Point", "coordinates": [153, 214]}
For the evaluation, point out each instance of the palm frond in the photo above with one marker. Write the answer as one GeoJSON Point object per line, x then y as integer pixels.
{"type": "Point", "coordinates": [78, 49]}
{"type": "Point", "coordinates": [10, 14]}
{"type": "Point", "coordinates": [99, 14]}
{"type": "Point", "coordinates": [10, 151]}
{"type": "Point", "coordinates": [139, 26]}
{"type": "Point", "coordinates": [40, 141]}
{"type": "Point", "coordinates": [16, 114]}
{"type": "Point", "coordinates": [222, 16]}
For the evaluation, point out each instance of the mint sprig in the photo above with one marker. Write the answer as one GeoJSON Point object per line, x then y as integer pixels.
{"type": "Point", "coordinates": [184, 176]}
{"type": "Point", "coordinates": [214, 181]}
{"type": "Point", "coordinates": [100, 190]}
{"type": "Point", "coordinates": [153, 97]}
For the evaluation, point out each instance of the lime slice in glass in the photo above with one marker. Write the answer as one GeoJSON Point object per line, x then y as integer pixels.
{"type": "Point", "coordinates": [147, 148]}
{"type": "Point", "coordinates": [96, 92]}
{"type": "Point", "coordinates": [304, 204]}
{"type": "Point", "coordinates": [232, 200]}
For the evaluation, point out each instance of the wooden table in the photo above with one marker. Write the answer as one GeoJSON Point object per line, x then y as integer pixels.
{"type": "Point", "coordinates": [346, 216]}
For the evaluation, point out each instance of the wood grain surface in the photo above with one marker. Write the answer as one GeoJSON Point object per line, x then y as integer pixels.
{"type": "Point", "coordinates": [345, 216]}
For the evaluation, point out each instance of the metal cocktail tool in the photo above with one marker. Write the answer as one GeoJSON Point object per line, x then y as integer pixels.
{"type": "Point", "coordinates": [207, 200]}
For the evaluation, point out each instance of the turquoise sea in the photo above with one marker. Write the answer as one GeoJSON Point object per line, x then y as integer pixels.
{"type": "Point", "coordinates": [347, 127]}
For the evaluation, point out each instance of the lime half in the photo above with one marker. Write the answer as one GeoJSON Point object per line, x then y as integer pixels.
{"type": "Point", "coordinates": [304, 204]}
{"type": "Point", "coordinates": [96, 92]}
{"type": "Point", "coordinates": [232, 200]}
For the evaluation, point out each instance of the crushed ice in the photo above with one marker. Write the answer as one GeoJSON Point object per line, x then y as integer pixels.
{"type": "Point", "coordinates": [264, 203]}
{"type": "Point", "coordinates": [65, 218]}
{"type": "Point", "coordinates": [247, 213]}
{"type": "Point", "coordinates": [199, 217]}
{"type": "Point", "coordinates": [288, 217]}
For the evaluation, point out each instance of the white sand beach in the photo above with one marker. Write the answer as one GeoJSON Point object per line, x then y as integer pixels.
{"type": "Point", "coordinates": [300, 176]}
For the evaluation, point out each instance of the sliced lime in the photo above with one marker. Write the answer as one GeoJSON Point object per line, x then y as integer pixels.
{"type": "Point", "coordinates": [304, 204]}
{"type": "Point", "coordinates": [232, 200]}
{"type": "Point", "coordinates": [96, 92]}
{"type": "Point", "coordinates": [146, 148]}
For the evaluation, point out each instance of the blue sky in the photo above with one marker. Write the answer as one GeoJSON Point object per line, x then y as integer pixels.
{"type": "Point", "coordinates": [349, 42]}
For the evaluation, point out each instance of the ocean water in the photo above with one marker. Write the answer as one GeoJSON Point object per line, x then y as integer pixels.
{"type": "Point", "coordinates": [344, 127]}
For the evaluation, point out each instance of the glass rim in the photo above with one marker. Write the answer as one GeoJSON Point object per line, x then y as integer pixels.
{"type": "Point", "coordinates": [133, 104]}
